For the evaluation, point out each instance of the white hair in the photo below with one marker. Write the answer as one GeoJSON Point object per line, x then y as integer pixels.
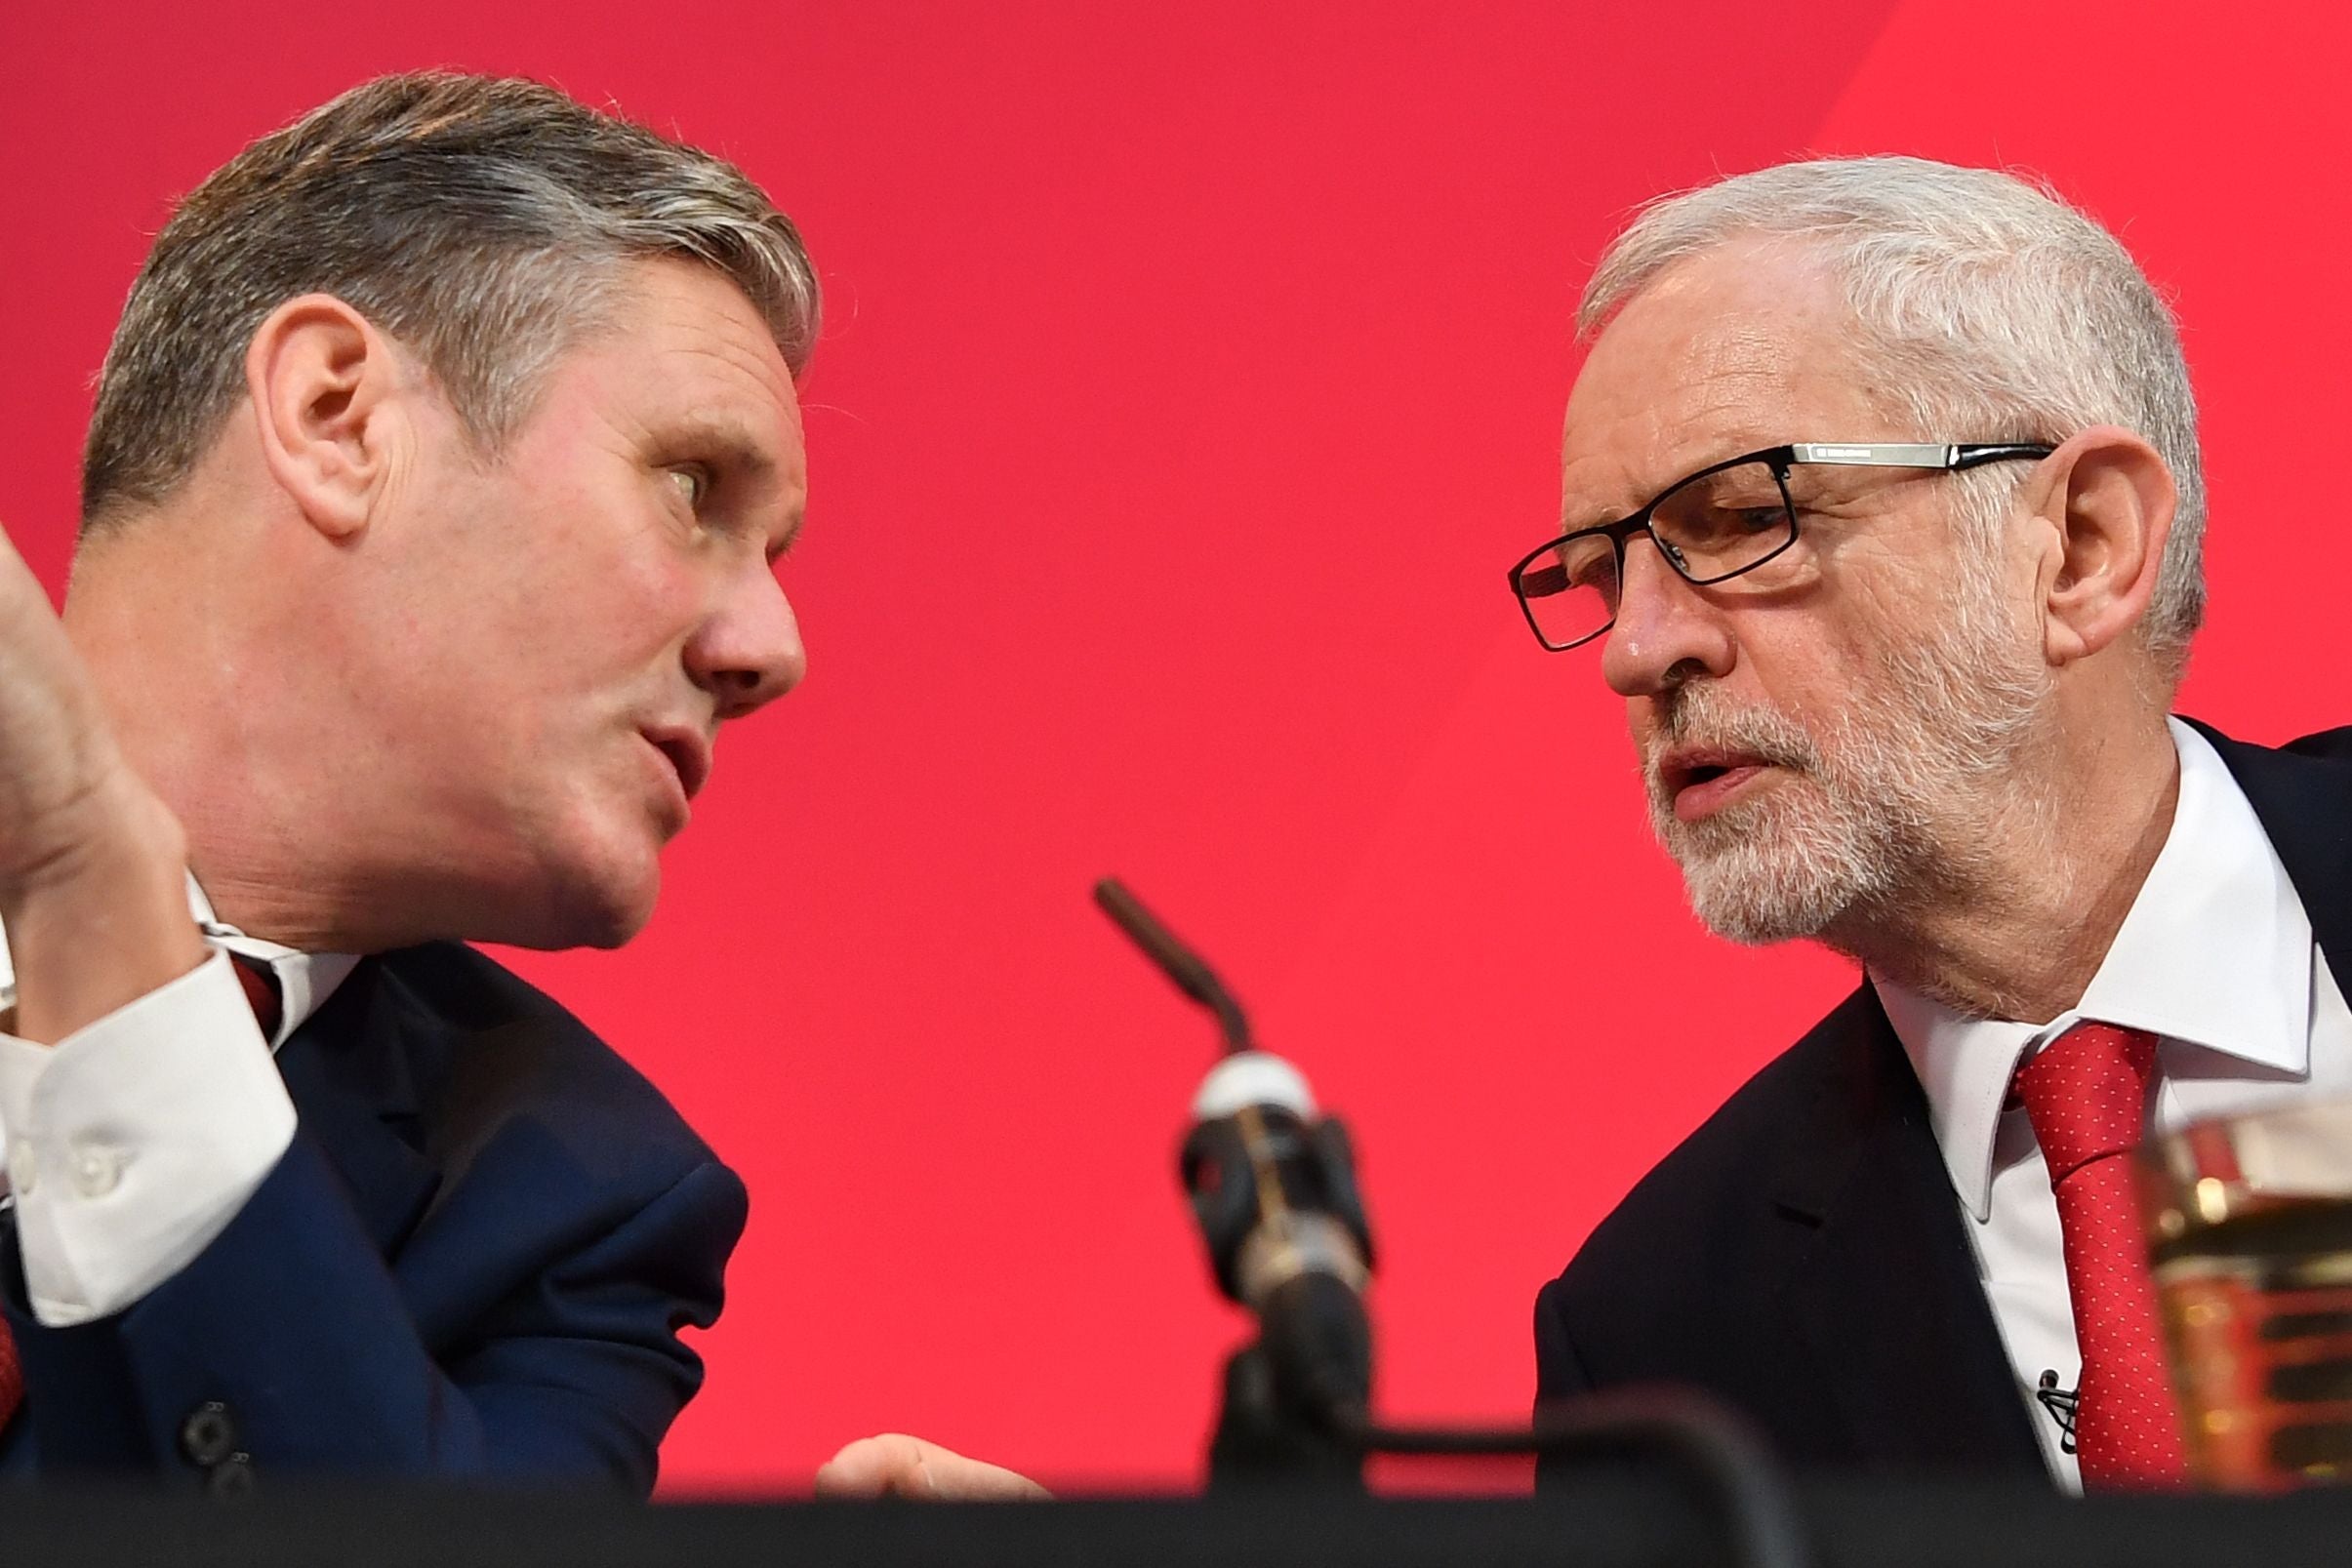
{"type": "Point", "coordinates": [1991, 310]}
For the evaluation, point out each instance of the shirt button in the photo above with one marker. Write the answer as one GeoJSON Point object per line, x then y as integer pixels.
{"type": "Point", "coordinates": [209, 1434]}
{"type": "Point", "coordinates": [233, 1478]}
{"type": "Point", "coordinates": [23, 1170]}
{"type": "Point", "coordinates": [98, 1169]}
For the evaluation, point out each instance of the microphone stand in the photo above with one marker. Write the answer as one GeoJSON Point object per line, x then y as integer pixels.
{"type": "Point", "coordinates": [1285, 1424]}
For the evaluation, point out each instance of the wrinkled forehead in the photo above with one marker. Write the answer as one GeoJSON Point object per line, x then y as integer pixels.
{"type": "Point", "coordinates": [1744, 346]}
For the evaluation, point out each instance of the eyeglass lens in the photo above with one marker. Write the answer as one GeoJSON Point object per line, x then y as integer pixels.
{"type": "Point", "coordinates": [1714, 526]}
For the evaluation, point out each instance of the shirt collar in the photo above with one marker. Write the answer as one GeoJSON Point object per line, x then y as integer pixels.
{"type": "Point", "coordinates": [2214, 952]}
{"type": "Point", "coordinates": [305, 979]}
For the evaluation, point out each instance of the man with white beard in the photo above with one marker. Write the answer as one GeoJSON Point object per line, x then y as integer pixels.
{"type": "Point", "coordinates": [1882, 510]}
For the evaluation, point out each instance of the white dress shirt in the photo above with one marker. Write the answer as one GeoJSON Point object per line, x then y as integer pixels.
{"type": "Point", "coordinates": [2216, 959]}
{"type": "Point", "coordinates": [130, 1143]}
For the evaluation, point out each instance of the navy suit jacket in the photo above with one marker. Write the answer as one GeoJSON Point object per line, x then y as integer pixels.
{"type": "Point", "coordinates": [474, 1262]}
{"type": "Point", "coordinates": [1800, 1257]}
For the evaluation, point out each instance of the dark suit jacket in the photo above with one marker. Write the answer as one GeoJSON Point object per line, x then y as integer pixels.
{"type": "Point", "coordinates": [1800, 1257]}
{"type": "Point", "coordinates": [474, 1262]}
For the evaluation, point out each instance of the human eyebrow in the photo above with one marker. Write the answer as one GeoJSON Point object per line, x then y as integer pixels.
{"type": "Point", "coordinates": [728, 447]}
{"type": "Point", "coordinates": [1578, 518]}
{"type": "Point", "coordinates": [1736, 451]}
{"type": "Point", "coordinates": [743, 469]}
{"type": "Point", "coordinates": [1583, 517]}
{"type": "Point", "coordinates": [1577, 513]}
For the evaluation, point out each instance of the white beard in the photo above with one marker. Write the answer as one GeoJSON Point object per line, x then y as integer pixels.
{"type": "Point", "coordinates": [1891, 810]}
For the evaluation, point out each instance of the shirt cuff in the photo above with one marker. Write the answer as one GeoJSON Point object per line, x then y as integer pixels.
{"type": "Point", "coordinates": [134, 1141]}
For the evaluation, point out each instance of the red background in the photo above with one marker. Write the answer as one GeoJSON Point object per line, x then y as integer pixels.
{"type": "Point", "coordinates": [1192, 375]}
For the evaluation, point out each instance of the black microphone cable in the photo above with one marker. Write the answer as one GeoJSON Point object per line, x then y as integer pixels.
{"type": "Point", "coordinates": [1747, 1499]}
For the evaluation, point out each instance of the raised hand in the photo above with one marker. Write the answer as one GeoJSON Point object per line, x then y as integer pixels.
{"type": "Point", "coordinates": [92, 862]}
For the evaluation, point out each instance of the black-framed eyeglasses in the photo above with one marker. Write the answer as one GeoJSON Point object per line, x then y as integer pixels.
{"type": "Point", "coordinates": [1724, 520]}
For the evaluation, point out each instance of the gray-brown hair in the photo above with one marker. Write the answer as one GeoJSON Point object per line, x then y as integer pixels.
{"type": "Point", "coordinates": [482, 222]}
{"type": "Point", "coordinates": [1988, 308]}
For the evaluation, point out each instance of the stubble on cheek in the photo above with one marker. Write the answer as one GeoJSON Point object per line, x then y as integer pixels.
{"type": "Point", "coordinates": [1782, 862]}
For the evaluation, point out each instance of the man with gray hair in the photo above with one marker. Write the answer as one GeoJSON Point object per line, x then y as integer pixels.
{"type": "Point", "coordinates": [1882, 510]}
{"type": "Point", "coordinates": [438, 470]}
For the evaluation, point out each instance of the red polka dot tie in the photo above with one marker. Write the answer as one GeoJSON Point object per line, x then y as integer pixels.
{"type": "Point", "coordinates": [2086, 1096]}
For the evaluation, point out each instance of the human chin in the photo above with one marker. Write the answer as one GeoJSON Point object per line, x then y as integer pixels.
{"type": "Point", "coordinates": [600, 903]}
{"type": "Point", "coordinates": [1785, 865]}
{"type": "Point", "coordinates": [599, 872]}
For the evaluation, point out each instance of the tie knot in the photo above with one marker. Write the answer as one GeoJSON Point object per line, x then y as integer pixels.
{"type": "Point", "coordinates": [2087, 1094]}
{"type": "Point", "coordinates": [260, 991]}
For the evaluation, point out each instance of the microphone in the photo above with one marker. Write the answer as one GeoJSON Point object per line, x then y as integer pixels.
{"type": "Point", "coordinates": [1272, 1185]}
{"type": "Point", "coordinates": [2062, 1405]}
{"type": "Point", "coordinates": [1272, 1182]}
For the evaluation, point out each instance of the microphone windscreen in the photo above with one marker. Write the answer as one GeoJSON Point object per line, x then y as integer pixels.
{"type": "Point", "coordinates": [1253, 1078]}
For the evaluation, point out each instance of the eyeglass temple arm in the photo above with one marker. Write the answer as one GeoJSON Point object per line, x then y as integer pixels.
{"type": "Point", "coordinates": [1914, 453]}
{"type": "Point", "coordinates": [1541, 582]}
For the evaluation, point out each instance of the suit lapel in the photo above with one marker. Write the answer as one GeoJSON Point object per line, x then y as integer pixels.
{"type": "Point", "coordinates": [351, 1072]}
{"type": "Point", "coordinates": [1885, 1291]}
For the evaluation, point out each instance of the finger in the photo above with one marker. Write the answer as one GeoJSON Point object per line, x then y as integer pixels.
{"type": "Point", "coordinates": [958, 1479]}
{"type": "Point", "coordinates": [895, 1464]}
{"type": "Point", "coordinates": [888, 1466]}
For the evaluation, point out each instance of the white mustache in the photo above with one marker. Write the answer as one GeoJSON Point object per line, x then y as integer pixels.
{"type": "Point", "coordinates": [1701, 715]}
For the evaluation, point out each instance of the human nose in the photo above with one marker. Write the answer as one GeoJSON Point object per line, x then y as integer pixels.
{"type": "Point", "coordinates": [747, 652]}
{"type": "Point", "coordinates": [1664, 629]}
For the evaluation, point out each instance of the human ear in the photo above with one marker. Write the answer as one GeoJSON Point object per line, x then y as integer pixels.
{"type": "Point", "coordinates": [321, 379]}
{"type": "Point", "coordinates": [2107, 501]}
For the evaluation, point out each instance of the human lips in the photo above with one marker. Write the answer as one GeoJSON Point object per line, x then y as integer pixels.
{"type": "Point", "coordinates": [1700, 779]}
{"type": "Point", "coordinates": [688, 753]}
